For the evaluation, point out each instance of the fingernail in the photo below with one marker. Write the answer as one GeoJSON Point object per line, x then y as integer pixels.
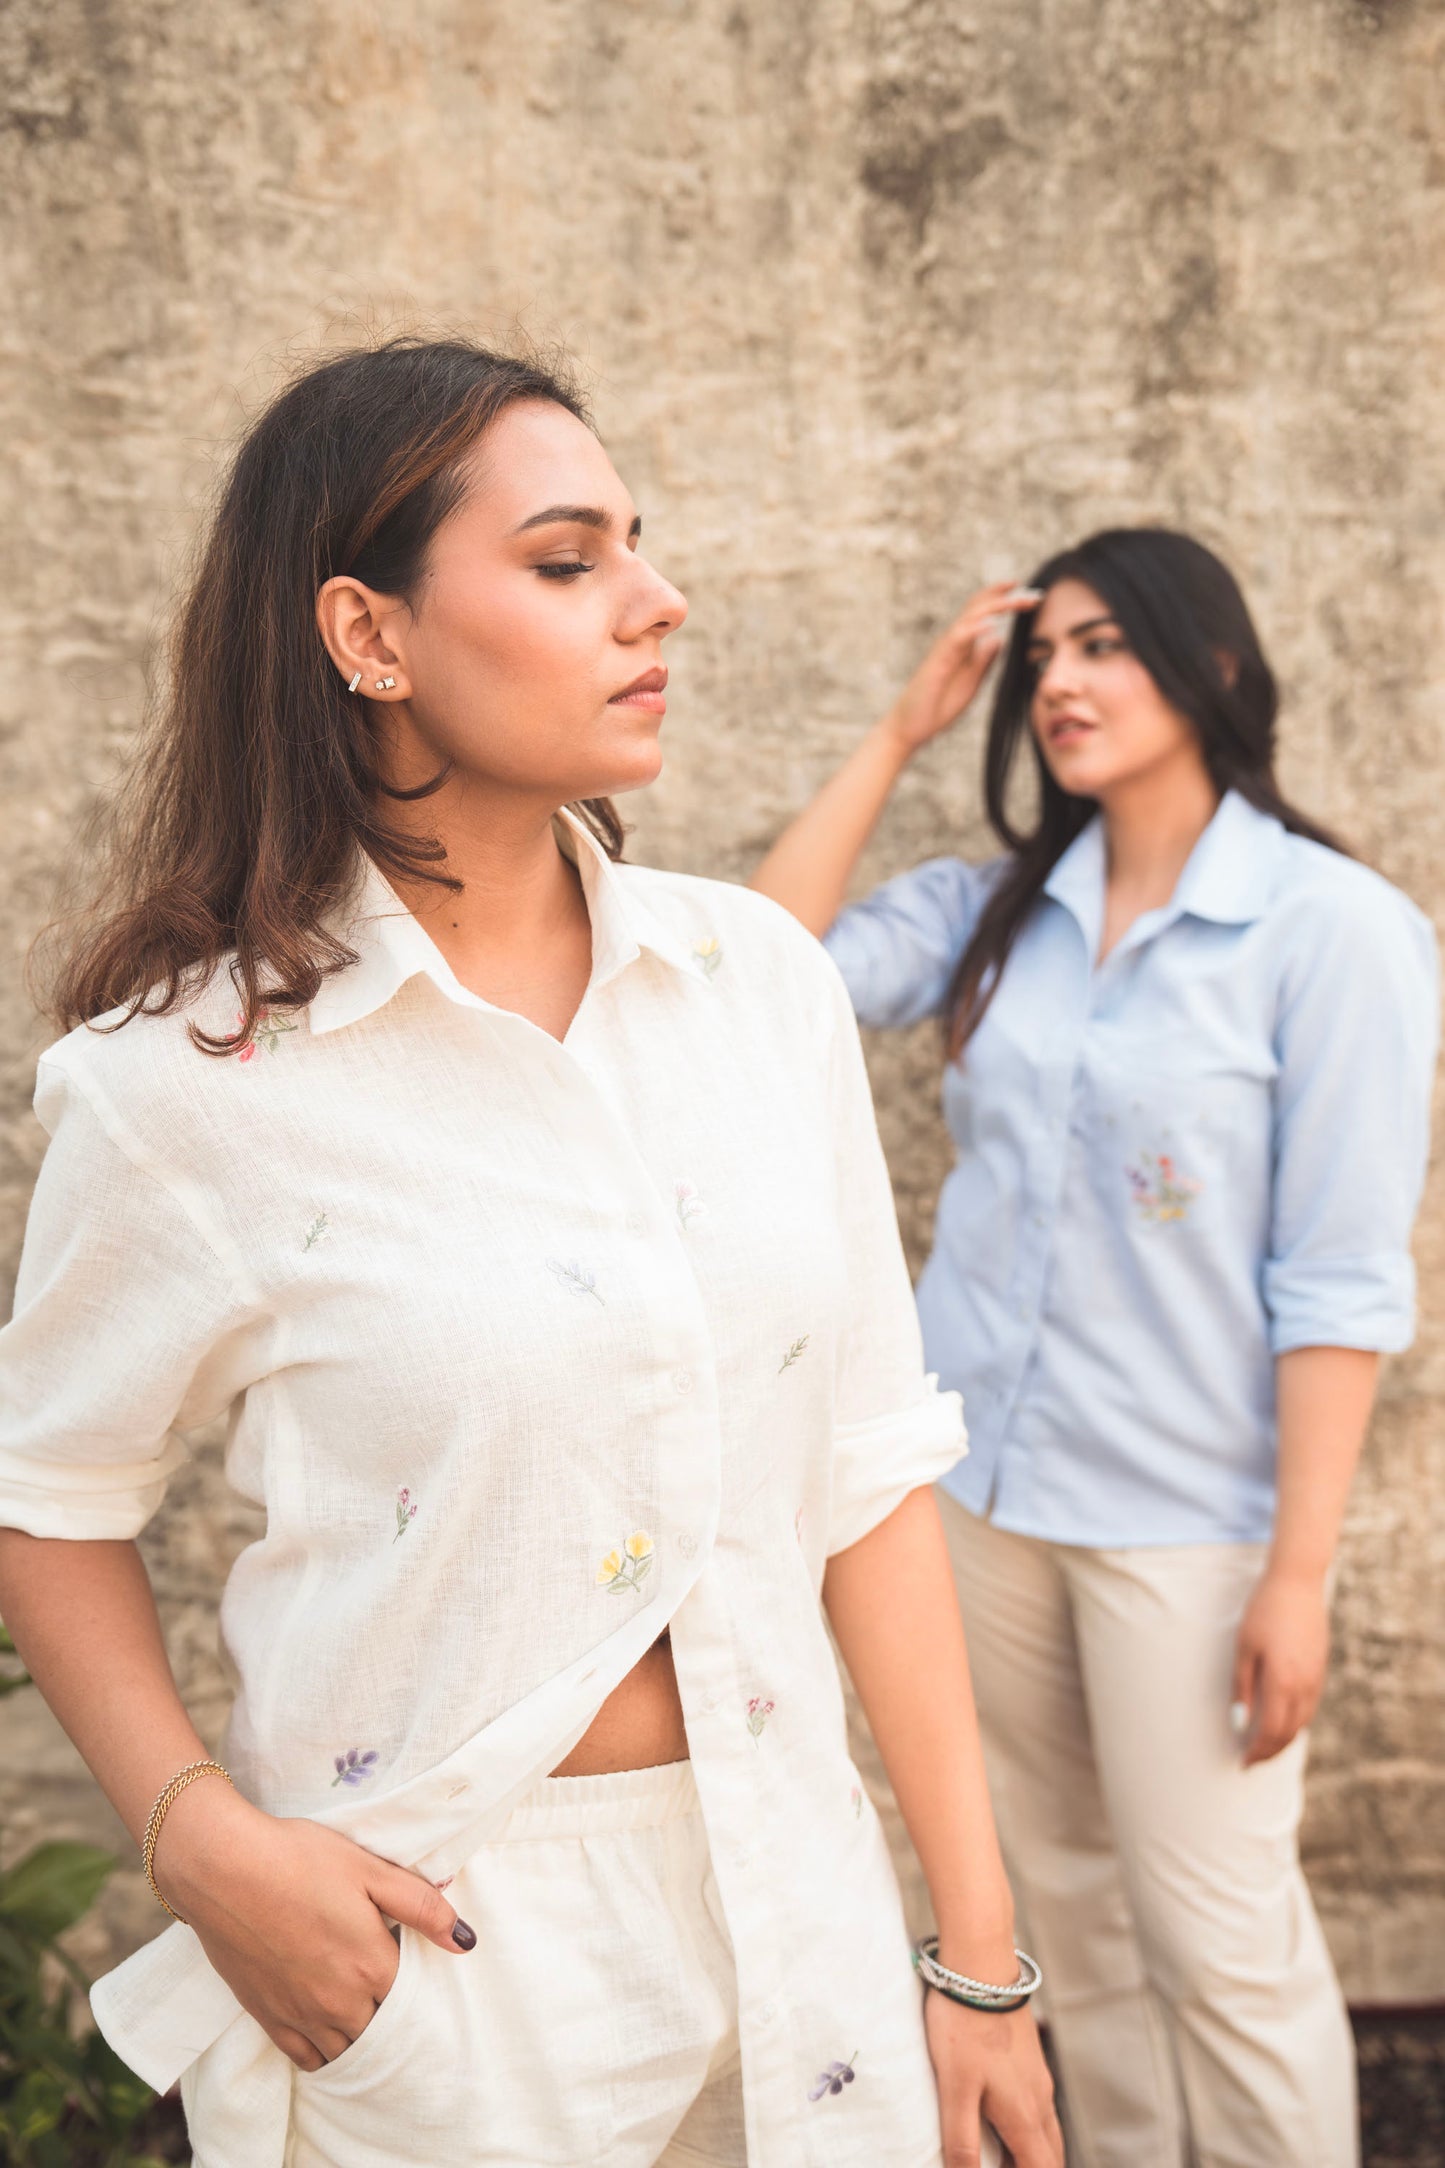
{"type": "Point", "coordinates": [1239, 1718]}
{"type": "Point", "coordinates": [463, 1936]}
{"type": "Point", "coordinates": [1027, 594]}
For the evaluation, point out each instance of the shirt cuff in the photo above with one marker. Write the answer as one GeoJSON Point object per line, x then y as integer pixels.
{"type": "Point", "coordinates": [1359, 1302]}
{"type": "Point", "coordinates": [91, 1502]}
{"type": "Point", "coordinates": [876, 1464]}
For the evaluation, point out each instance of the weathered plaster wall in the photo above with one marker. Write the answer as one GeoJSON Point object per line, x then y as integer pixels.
{"type": "Point", "coordinates": [879, 297]}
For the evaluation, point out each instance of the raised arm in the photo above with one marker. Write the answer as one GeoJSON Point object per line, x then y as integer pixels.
{"type": "Point", "coordinates": [809, 867]}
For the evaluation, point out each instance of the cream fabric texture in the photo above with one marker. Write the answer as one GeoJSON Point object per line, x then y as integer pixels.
{"type": "Point", "coordinates": [528, 1349]}
{"type": "Point", "coordinates": [1192, 2005]}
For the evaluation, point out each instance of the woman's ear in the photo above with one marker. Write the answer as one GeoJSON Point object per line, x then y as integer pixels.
{"type": "Point", "coordinates": [361, 631]}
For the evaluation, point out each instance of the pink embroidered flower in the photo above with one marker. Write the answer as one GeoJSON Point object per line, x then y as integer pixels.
{"type": "Point", "coordinates": [267, 1032]}
{"type": "Point", "coordinates": [758, 1713]}
{"type": "Point", "coordinates": [688, 1203]}
{"type": "Point", "coordinates": [856, 1797]}
{"type": "Point", "coordinates": [1160, 1192]}
{"type": "Point", "coordinates": [405, 1512]}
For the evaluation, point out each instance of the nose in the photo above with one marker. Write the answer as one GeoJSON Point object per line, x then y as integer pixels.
{"type": "Point", "coordinates": [657, 607]}
{"type": "Point", "coordinates": [1055, 679]}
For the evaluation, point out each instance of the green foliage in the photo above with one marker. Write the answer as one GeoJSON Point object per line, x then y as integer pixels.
{"type": "Point", "coordinates": [66, 2100]}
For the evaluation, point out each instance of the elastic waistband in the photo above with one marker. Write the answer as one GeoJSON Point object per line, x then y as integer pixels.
{"type": "Point", "coordinates": [588, 1806]}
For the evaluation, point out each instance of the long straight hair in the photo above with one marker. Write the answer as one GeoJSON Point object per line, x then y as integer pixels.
{"type": "Point", "coordinates": [259, 783]}
{"type": "Point", "coordinates": [1184, 617]}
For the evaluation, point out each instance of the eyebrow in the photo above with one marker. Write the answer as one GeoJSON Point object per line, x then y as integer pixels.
{"type": "Point", "coordinates": [1076, 632]}
{"type": "Point", "coordinates": [576, 515]}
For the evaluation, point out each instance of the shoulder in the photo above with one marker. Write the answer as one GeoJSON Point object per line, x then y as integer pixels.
{"type": "Point", "coordinates": [730, 932]}
{"type": "Point", "coordinates": [142, 1076]}
{"type": "Point", "coordinates": [1328, 905]}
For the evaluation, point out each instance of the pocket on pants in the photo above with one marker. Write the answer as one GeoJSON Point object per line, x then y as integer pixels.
{"type": "Point", "coordinates": [360, 2062]}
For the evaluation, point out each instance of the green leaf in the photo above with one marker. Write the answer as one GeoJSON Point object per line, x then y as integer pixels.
{"type": "Point", "coordinates": [37, 2107]}
{"type": "Point", "coordinates": [49, 1889]}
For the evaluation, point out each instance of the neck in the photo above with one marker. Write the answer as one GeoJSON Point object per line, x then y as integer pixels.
{"type": "Point", "coordinates": [518, 891]}
{"type": "Point", "coordinates": [1152, 823]}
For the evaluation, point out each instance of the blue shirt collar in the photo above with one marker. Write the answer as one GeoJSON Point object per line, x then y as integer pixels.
{"type": "Point", "coordinates": [1229, 875]}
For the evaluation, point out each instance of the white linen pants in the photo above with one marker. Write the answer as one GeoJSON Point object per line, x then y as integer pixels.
{"type": "Point", "coordinates": [1191, 1998]}
{"type": "Point", "coordinates": [594, 2025]}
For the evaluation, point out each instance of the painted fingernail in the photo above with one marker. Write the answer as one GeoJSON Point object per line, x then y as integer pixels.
{"type": "Point", "coordinates": [463, 1936]}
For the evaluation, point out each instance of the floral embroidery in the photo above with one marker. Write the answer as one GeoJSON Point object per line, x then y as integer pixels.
{"type": "Point", "coordinates": [318, 1231]}
{"type": "Point", "coordinates": [405, 1512]}
{"type": "Point", "coordinates": [689, 1204]}
{"type": "Point", "coordinates": [834, 2078]}
{"type": "Point", "coordinates": [793, 1353]}
{"type": "Point", "coordinates": [708, 952]}
{"type": "Point", "coordinates": [266, 1032]}
{"type": "Point", "coordinates": [1160, 1192]}
{"type": "Point", "coordinates": [575, 1278]}
{"type": "Point", "coordinates": [758, 1713]}
{"type": "Point", "coordinates": [629, 1567]}
{"type": "Point", "coordinates": [354, 1767]}
{"type": "Point", "coordinates": [798, 1525]}
{"type": "Point", "coordinates": [856, 1797]}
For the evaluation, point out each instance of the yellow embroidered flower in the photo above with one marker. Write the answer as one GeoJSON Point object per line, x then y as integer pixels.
{"type": "Point", "coordinates": [708, 952]}
{"type": "Point", "coordinates": [629, 1567]}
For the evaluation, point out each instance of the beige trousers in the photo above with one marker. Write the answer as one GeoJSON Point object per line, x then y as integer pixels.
{"type": "Point", "coordinates": [1191, 2000]}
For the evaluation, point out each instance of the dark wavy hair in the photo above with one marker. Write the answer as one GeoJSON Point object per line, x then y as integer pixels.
{"type": "Point", "coordinates": [257, 781]}
{"type": "Point", "coordinates": [1183, 615]}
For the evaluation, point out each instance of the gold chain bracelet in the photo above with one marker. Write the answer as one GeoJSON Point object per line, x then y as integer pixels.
{"type": "Point", "coordinates": [158, 1813]}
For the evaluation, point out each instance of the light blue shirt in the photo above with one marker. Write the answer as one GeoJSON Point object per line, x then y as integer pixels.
{"type": "Point", "coordinates": [1171, 1168]}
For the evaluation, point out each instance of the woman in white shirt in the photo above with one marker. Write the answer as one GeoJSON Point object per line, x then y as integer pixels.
{"type": "Point", "coordinates": [524, 1211]}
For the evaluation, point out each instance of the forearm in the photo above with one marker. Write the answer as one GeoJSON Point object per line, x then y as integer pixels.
{"type": "Point", "coordinates": [84, 1621]}
{"type": "Point", "coordinates": [1323, 1401]}
{"type": "Point", "coordinates": [895, 1613]}
{"type": "Point", "coordinates": [809, 867]}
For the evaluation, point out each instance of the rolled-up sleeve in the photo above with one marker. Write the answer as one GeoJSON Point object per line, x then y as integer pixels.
{"type": "Point", "coordinates": [899, 948]}
{"type": "Point", "coordinates": [1356, 1045]}
{"type": "Point", "coordinates": [894, 1431]}
{"type": "Point", "coordinates": [122, 1317]}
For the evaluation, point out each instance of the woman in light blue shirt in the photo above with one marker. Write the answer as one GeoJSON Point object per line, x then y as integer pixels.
{"type": "Point", "coordinates": [1190, 1043]}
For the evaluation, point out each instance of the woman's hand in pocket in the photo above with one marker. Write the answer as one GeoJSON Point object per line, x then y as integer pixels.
{"type": "Point", "coordinates": [293, 1916]}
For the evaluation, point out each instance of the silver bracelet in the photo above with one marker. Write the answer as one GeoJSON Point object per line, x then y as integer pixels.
{"type": "Point", "coordinates": [976, 1994]}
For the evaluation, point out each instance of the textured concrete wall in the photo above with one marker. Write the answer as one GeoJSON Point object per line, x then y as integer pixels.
{"type": "Point", "coordinates": [879, 297]}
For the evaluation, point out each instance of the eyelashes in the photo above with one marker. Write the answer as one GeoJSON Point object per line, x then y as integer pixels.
{"type": "Point", "coordinates": [563, 572]}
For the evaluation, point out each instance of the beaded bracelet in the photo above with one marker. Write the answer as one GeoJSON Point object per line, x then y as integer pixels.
{"type": "Point", "coordinates": [165, 1801]}
{"type": "Point", "coordinates": [975, 1994]}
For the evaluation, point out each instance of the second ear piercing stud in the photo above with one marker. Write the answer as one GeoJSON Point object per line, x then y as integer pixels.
{"type": "Point", "coordinates": [354, 682]}
{"type": "Point", "coordinates": [384, 685]}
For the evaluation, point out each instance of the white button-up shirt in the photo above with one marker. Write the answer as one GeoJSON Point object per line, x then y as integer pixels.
{"type": "Point", "coordinates": [529, 1348]}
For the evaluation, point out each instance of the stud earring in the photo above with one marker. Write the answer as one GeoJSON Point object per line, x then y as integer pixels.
{"type": "Point", "coordinates": [354, 682]}
{"type": "Point", "coordinates": [384, 685]}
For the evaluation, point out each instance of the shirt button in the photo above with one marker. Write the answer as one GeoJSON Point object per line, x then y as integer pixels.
{"type": "Point", "coordinates": [687, 1544]}
{"type": "Point", "coordinates": [766, 2014]}
{"type": "Point", "coordinates": [682, 1379]}
{"type": "Point", "coordinates": [709, 1703]}
{"type": "Point", "coordinates": [741, 1856]}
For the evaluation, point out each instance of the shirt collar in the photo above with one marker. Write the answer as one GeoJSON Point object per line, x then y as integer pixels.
{"type": "Point", "coordinates": [1229, 875]}
{"type": "Point", "coordinates": [392, 946]}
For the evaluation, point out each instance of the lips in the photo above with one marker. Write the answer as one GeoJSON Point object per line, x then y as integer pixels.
{"type": "Point", "coordinates": [645, 691]}
{"type": "Point", "coordinates": [1068, 726]}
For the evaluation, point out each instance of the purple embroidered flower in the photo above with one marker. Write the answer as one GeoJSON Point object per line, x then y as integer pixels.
{"type": "Point", "coordinates": [834, 2078]}
{"type": "Point", "coordinates": [405, 1512]}
{"type": "Point", "coordinates": [574, 1277]}
{"type": "Point", "coordinates": [1161, 1193]}
{"type": "Point", "coordinates": [354, 1767]}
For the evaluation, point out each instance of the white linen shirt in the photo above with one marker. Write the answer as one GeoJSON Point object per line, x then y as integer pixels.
{"type": "Point", "coordinates": [528, 1349]}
